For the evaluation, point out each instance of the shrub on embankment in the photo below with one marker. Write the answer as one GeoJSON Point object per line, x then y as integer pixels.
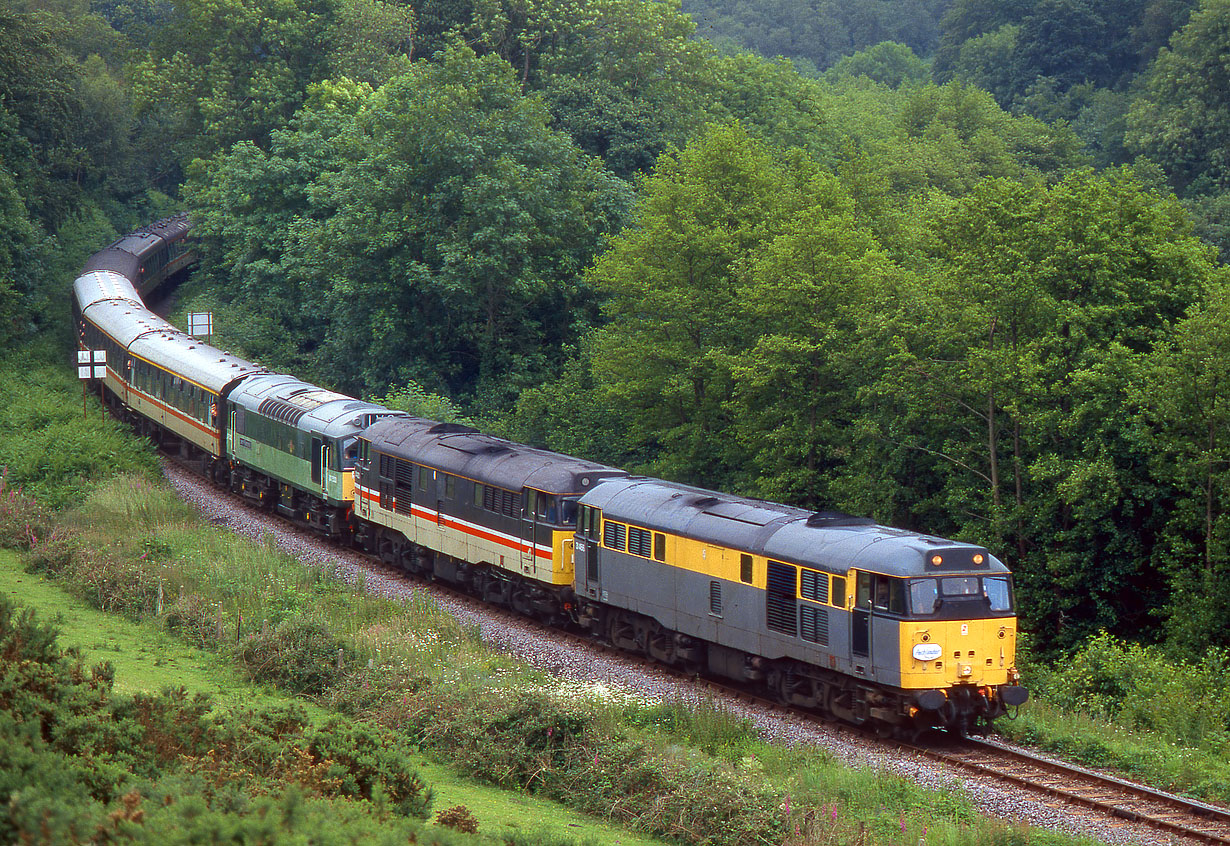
{"type": "Point", "coordinates": [81, 764]}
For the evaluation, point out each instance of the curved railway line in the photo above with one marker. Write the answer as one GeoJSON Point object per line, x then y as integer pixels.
{"type": "Point", "coordinates": [1082, 788]}
{"type": "Point", "coordinates": [1058, 784]}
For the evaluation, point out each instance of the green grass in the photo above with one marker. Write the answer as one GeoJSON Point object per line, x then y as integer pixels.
{"type": "Point", "coordinates": [148, 659]}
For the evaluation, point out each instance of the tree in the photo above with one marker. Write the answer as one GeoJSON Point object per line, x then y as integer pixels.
{"type": "Point", "coordinates": [1183, 399]}
{"type": "Point", "coordinates": [226, 71]}
{"type": "Point", "coordinates": [430, 231]}
{"type": "Point", "coordinates": [1007, 377]}
{"type": "Point", "coordinates": [675, 283]}
{"type": "Point", "coordinates": [1182, 117]}
{"type": "Point", "coordinates": [810, 289]}
{"type": "Point", "coordinates": [888, 63]}
{"type": "Point", "coordinates": [372, 40]}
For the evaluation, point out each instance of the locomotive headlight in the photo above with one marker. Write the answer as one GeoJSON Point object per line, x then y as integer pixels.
{"type": "Point", "coordinates": [965, 670]}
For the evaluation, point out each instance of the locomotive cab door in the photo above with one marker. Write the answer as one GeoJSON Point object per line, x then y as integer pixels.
{"type": "Point", "coordinates": [529, 528]}
{"type": "Point", "coordinates": [860, 618]}
{"type": "Point", "coordinates": [317, 459]}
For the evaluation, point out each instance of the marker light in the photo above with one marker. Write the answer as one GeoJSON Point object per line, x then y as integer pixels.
{"type": "Point", "coordinates": [937, 560]}
{"type": "Point", "coordinates": [978, 559]}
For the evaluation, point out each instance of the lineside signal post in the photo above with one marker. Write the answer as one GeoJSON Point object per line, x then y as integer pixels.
{"type": "Point", "coordinates": [91, 364]}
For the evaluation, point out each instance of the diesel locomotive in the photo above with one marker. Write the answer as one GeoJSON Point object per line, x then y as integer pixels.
{"type": "Point", "coordinates": [873, 625]}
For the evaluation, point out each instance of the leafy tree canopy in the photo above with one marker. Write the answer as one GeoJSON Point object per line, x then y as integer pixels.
{"type": "Point", "coordinates": [437, 224]}
{"type": "Point", "coordinates": [1182, 118]}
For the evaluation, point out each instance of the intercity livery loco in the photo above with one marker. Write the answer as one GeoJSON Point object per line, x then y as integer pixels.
{"type": "Point", "coordinates": [873, 625]}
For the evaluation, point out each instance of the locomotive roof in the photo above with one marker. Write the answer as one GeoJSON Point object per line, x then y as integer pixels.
{"type": "Point", "coordinates": [306, 406]}
{"type": "Point", "coordinates": [825, 540]}
{"type": "Point", "coordinates": [464, 451]}
{"type": "Point", "coordinates": [111, 302]}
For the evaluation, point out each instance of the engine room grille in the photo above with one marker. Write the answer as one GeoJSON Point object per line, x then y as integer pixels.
{"type": "Point", "coordinates": [614, 536]}
{"type": "Point", "coordinates": [715, 598]}
{"type": "Point", "coordinates": [782, 578]}
{"type": "Point", "coordinates": [814, 625]}
{"type": "Point", "coordinates": [639, 542]}
{"type": "Point", "coordinates": [781, 612]}
{"type": "Point", "coordinates": [814, 585]}
{"type": "Point", "coordinates": [405, 474]}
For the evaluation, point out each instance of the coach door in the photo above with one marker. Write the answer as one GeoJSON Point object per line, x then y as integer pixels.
{"type": "Point", "coordinates": [860, 618]}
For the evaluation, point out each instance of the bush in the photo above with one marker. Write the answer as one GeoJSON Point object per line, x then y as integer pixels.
{"type": "Point", "coordinates": [458, 818]}
{"type": "Point", "coordinates": [1143, 688]}
{"type": "Point", "coordinates": [525, 740]}
{"type": "Point", "coordinates": [298, 654]}
{"type": "Point", "coordinates": [368, 761]}
{"type": "Point", "coordinates": [24, 521]}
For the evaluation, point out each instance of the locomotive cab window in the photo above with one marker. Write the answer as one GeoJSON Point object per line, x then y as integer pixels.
{"type": "Point", "coordinates": [960, 595]}
{"type": "Point", "coordinates": [348, 449]}
{"type": "Point", "coordinates": [883, 593]}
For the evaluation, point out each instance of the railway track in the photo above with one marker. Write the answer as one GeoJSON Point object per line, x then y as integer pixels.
{"type": "Point", "coordinates": [1081, 788]}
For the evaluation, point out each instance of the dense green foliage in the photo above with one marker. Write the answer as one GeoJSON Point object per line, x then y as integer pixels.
{"type": "Point", "coordinates": [818, 33]}
{"type": "Point", "coordinates": [447, 181]}
{"type": "Point", "coordinates": [84, 765]}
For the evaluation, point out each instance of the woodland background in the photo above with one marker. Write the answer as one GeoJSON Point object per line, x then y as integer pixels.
{"type": "Point", "coordinates": [954, 264]}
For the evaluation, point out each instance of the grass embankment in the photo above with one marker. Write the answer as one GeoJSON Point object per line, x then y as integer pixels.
{"type": "Point", "coordinates": [147, 659]}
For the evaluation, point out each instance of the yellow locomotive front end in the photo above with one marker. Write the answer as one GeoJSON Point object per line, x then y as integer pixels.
{"type": "Point", "coordinates": [946, 640]}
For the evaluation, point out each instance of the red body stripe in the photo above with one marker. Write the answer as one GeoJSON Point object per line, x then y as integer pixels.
{"type": "Point", "coordinates": [424, 514]}
{"type": "Point", "coordinates": [192, 421]}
